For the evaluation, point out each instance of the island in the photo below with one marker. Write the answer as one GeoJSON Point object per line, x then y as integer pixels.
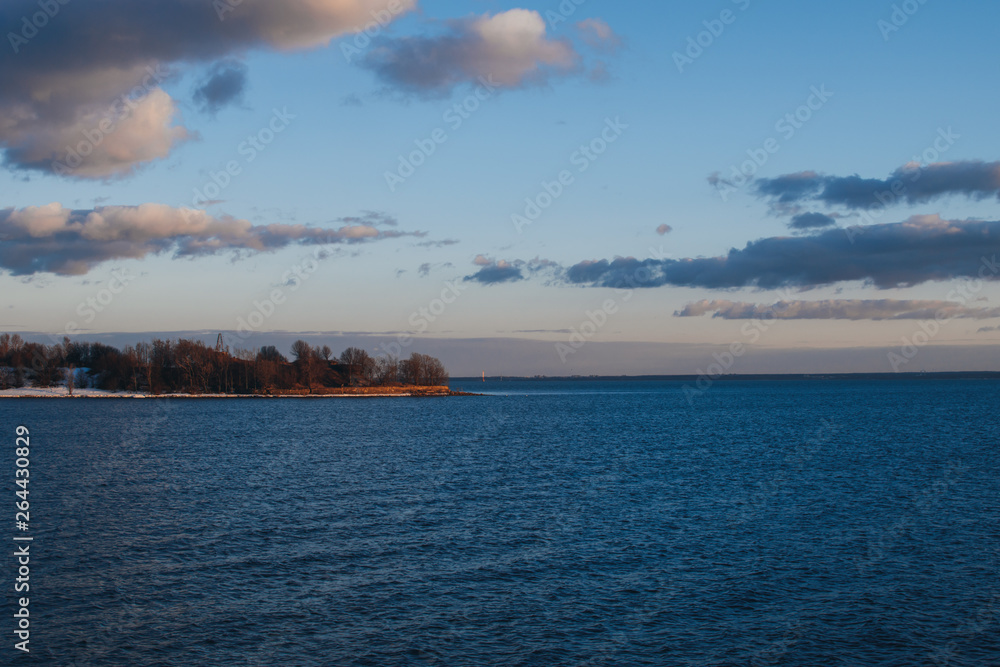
{"type": "Point", "coordinates": [190, 368]}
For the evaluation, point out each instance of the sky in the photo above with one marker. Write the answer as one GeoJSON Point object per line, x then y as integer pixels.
{"type": "Point", "coordinates": [575, 187]}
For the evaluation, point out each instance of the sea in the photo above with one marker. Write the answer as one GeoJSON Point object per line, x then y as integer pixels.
{"type": "Point", "coordinates": [546, 522]}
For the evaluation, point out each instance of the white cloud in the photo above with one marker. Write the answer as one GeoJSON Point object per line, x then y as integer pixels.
{"type": "Point", "coordinates": [510, 48]}
{"type": "Point", "coordinates": [83, 97]}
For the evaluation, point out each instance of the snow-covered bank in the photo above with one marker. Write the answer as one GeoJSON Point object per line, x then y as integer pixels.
{"type": "Point", "coordinates": [62, 392]}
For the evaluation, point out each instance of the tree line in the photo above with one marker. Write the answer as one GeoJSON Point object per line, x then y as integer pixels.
{"type": "Point", "coordinates": [191, 366]}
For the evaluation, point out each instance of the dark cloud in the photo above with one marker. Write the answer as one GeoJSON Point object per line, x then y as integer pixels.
{"type": "Point", "coordinates": [494, 271]}
{"type": "Point", "coordinates": [811, 221]}
{"type": "Point", "coordinates": [924, 248]}
{"type": "Point", "coordinates": [81, 96]}
{"type": "Point", "coordinates": [426, 268]}
{"type": "Point", "coordinates": [224, 85]}
{"type": "Point", "coordinates": [838, 309]}
{"type": "Point", "coordinates": [509, 49]}
{"type": "Point", "coordinates": [437, 244]}
{"type": "Point", "coordinates": [912, 183]}
{"type": "Point", "coordinates": [371, 218]}
{"type": "Point", "coordinates": [788, 188]}
{"type": "Point", "coordinates": [58, 240]}
{"type": "Point", "coordinates": [664, 229]}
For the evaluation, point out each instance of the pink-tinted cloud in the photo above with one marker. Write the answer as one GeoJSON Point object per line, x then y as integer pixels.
{"type": "Point", "coordinates": [59, 240]}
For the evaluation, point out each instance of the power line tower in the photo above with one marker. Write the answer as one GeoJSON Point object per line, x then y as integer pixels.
{"type": "Point", "coordinates": [220, 346]}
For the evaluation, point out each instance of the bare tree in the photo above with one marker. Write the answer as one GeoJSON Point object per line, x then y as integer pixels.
{"type": "Point", "coordinates": [10, 344]}
{"type": "Point", "coordinates": [144, 360]}
{"type": "Point", "coordinates": [424, 370]}
{"type": "Point", "coordinates": [387, 369]}
{"type": "Point", "coordinates": [301, 350]}
{"type": "Point", "coordinates": [191, 365]}
{"type": "Point", "coordinates": [360, 365]}
{"type": "Point", "coordinates": [305, 358]}
{"type": "Point", "coordinates": [45, 362]}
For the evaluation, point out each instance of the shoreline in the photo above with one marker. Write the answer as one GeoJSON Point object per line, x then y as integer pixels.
{"type": "Point", "coordinates": [326, 392]}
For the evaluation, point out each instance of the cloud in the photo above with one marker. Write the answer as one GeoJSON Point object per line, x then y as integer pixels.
{"type": "Point", "coordinates": [437, 244]}
{"type": "Point", "coordinates": [224, 85]}
{"type": "Point", "coordinates": [838, 309]}
{"type": "Point", "coordinates": [664, 229]}
{"type": "Point", "coordinates": [496, 272]}
{"type": "Point", "coordinates": [600, 73]}
{"type": "Point", "coordinates": [59, 240]}
{"type": "Point", "coordinates": [598, 35]}
{"type": "Point", "coordinates": [988, 329]}
{"type": "Point", "coordinates": [426, 268]}
{"type": "Point", "coordinates": [83, 98]}
{"type": "Point", "coordinates": [812, 221]}
{"type": "Point", "coordinates": [138, 131]}
{"type": "Point", "coordinates": [510, 49]}
{"type": "Point", "coordinates": [912, 183]}
{"type": "Point", "coordinates": [493, 271]}
{"type": "Point", "coordinates": [370, 218]}
{"type": "Point", "coordinates": [921, 249]}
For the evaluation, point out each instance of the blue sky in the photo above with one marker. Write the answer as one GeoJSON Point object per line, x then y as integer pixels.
{"type": "Point", "coordinates": [888, 95]}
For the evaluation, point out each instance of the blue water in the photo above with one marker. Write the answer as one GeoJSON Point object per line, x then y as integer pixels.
{"type": "Point", "coordinates": [550, 523]}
